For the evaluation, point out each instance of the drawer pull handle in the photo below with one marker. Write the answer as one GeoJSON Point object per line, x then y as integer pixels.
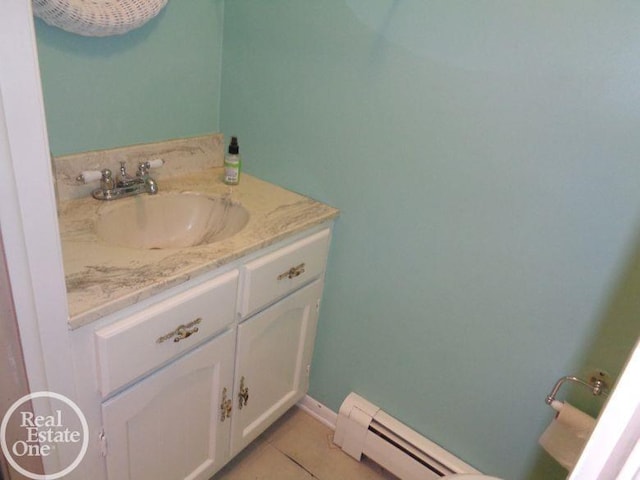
{"type": "Point", "coordinates": [292, 272]}
{"type": "Point", "coordinates": [225, 406]}
{"type": "Point", "coordinates": [243, 396]}
{"type": "Point", "coordinates": [182, 332]}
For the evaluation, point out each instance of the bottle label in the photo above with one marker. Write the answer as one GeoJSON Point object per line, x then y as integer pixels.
{"type": "Point", "coordinates": [231, 175]}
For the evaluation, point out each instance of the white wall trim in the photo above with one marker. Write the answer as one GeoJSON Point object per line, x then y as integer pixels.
{"type": "Point", "coordinates": [28, 212]}
{"type": "Point", "coordinates": [319, 411]}
{"type": "Point", "coordinates": [28, 215]}
{"type": "Point", "coordinates": [611, 452]}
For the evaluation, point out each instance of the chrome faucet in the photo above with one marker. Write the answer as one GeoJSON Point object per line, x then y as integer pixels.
{"type": "Point", "coordinates": [143, 174]}
{"type": "Point", "coordinates": [125, 185]}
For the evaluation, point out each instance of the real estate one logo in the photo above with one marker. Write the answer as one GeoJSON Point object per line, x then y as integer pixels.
{"type": "Point", "coordinates": [34, 437]}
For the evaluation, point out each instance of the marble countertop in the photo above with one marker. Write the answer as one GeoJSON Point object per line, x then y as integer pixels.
{"type": "Point", "coordinates": [102, 279]}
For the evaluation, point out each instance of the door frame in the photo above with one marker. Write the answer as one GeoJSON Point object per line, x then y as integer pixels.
{"type": "Point", "coordinates": [28, 214]}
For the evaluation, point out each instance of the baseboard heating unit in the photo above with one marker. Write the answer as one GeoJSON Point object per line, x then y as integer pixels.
{"type": "Point", "coordinates": [364, 429]}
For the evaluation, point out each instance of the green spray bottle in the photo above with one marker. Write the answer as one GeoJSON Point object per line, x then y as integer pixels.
{"type": "Point", "coordinates": [232, 163]}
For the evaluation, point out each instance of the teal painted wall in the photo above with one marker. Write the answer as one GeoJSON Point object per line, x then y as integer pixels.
{"type": "Point", "coordinates": [485, 159]}
{"type": "Point", "coordinates": [158, 82]}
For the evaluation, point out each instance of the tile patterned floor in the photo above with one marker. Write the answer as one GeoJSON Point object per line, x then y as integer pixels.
{"type": "Point", "coordinates": [298, 447]}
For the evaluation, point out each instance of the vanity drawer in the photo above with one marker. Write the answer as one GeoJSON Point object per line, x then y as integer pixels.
{"type": "Point", "coordinates": [142, 342]}
{"type": "Point", "coordinates": [276, 274]}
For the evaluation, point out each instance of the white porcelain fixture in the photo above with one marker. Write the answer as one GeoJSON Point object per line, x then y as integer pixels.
{"type": "Point", "coordinates": [173, 220]}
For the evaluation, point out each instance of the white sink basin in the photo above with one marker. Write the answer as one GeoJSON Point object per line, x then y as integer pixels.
{"type": "Point", "coordinates": [171, 220]}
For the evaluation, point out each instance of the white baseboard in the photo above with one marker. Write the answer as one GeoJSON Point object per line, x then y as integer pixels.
{"type": "Point", "coordinates": [318, 411]}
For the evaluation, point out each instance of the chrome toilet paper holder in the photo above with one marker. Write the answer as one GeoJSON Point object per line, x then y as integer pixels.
{"type": "Point", "coordinates": [598, 383]}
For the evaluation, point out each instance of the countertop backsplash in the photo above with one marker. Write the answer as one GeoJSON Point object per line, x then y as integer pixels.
{"type": "Point", "coordinates": [181, 156]}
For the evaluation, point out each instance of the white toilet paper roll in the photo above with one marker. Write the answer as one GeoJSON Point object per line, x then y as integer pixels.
{"type": "Point", "coordinates": [567, 435]}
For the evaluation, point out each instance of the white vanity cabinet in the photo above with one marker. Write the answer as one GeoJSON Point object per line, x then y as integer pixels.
{"type": "Point", "coordinates": [187, 382]}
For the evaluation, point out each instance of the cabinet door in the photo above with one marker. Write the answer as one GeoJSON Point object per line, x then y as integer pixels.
{"type": "Point", "coordinates": [273, 359]}
{"type": "Point", "coordinates": [169, 425]}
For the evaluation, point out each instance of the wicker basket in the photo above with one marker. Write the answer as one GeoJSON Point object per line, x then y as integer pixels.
{"type": "Point", "coordinates": [97, 18]}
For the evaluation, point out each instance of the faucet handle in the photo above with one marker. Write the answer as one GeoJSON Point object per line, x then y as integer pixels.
{"type": "Point", "coordinates": [155, 163]}
{"type": "Point", "coordinates": [143, 169]}
{"type": "Point", "coordinates": [107, 182]}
